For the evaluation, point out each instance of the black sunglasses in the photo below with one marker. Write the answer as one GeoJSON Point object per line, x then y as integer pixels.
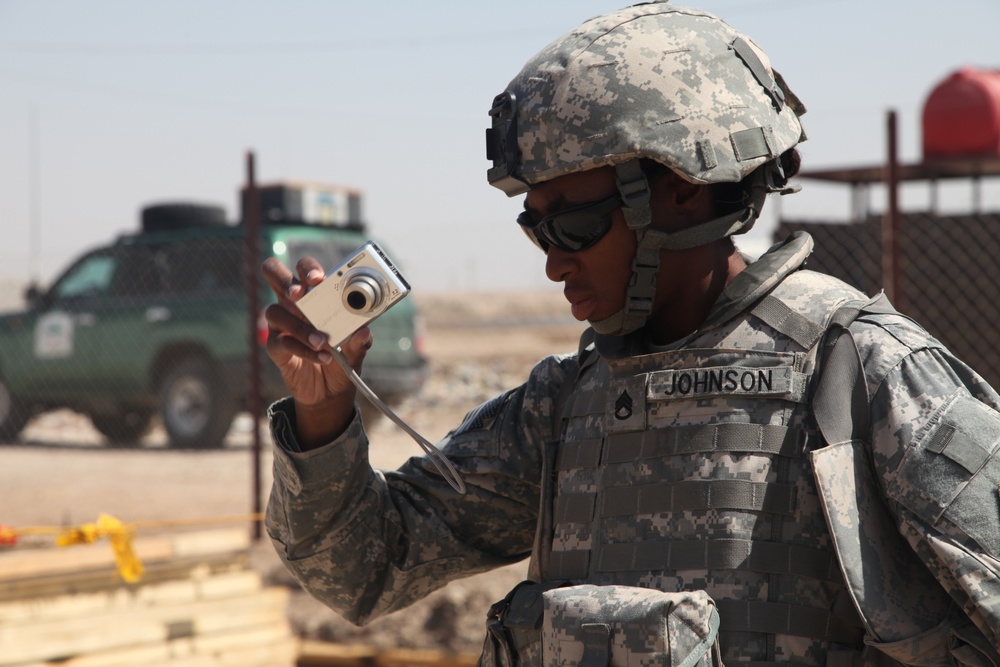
{"type": "Point", "coordinates": [573, 229]}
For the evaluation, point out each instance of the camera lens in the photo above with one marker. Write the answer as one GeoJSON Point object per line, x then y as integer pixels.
{"type": "Point", "coordinates": [357, 300]}
{"type": "Point", "coordinates": [362, 294]}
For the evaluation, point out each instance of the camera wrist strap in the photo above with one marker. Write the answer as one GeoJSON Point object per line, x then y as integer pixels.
{"type": "Point", "coordinates": [440, 461]}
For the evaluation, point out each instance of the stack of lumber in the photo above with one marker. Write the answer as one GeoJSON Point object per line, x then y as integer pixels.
{"type": "Point", "coordinates": [198, 605]}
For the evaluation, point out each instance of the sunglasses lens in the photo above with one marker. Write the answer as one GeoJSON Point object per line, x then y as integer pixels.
{"type": "Point", "coordinates": [574, 229]}
{"type": "Point", "coordinates": [531, 233]}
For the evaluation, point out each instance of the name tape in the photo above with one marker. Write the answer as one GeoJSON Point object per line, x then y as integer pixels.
{"type": "Point", "coordinates": [720, 381]}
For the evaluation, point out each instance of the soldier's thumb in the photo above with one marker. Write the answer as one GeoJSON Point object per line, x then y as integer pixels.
{"type": "Point", "coordinates": [356, 347]}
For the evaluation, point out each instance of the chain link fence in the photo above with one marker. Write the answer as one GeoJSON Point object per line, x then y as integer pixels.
{"type": "Point", "coordinates": [150, 337]}
{"type": "Point", "coordinates": [948, 272]}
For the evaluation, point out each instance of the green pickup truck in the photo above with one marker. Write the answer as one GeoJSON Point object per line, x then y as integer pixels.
{"type": "Point", "coordinates": [155, 324]}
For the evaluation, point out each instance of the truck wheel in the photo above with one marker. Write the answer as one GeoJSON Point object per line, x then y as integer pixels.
{"type": "Point", "coordinates": [125, 427]}
{"type": "Point", "coordinates": [195, 408]}
{"type": "Point", "coordinates": [13, 414]}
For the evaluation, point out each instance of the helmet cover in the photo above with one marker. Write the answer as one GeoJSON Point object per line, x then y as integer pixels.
{"type": "Point", "coordinates": [654, 80]}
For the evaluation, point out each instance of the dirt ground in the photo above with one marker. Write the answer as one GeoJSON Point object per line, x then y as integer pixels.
{"type": "Point", "coordinates": [61, 473]}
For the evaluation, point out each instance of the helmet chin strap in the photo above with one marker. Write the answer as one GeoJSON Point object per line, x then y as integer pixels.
{"type": "Point", "coordinates": [634, 189]}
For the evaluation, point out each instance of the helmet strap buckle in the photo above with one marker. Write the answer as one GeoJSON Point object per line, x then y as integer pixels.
{"type": "Point", "coordinates": [775, 180]}
{"type": "Point", "coordinates": [633, 186]}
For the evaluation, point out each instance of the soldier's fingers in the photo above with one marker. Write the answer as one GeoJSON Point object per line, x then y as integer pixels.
{"type": "Point", "coordinates": [282, 321]}
{"type": "Point", "coordinates": [310, 271]}
{"type": "Point", "coordinates": [281, 281]}
{"type": "Point", "coordinates": [282, 347]}
{"type": "Point", "coordinates": [356, 347]}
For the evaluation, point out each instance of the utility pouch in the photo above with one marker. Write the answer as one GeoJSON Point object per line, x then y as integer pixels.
{"type": "Point", "coordinates": [601, 626]}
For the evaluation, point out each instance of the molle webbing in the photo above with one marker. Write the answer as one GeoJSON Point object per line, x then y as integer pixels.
{"type": "Point", "coordinates": [786, 619]}
{"type": "Point", "coordinates": [585, 403]}
{"type": "Point", "coordinates": [731, 494]}
{"type": "Point", "coordinates": [726, 494]}
{"type": "Point", "coordinates": [720, 554]}
{"type": "Point", "coordinates": [579, 454]}
{"type": "Point", "coordinates": [609, 508]}
{"type": "Point", "coordinates": [570, 564]}
{"type": "Point", "coordinates": [680, 440]}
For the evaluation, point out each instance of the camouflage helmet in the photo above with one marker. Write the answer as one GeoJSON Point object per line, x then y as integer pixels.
{"type": "Point", "coordinates": [657, 81]}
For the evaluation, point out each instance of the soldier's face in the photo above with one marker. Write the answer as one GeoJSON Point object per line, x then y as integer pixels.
{"type": "Point", "coordinates": [595, 279]}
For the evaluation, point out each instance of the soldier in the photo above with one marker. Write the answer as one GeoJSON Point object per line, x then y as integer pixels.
{"type": "Point", "coordinates": [746, 461]}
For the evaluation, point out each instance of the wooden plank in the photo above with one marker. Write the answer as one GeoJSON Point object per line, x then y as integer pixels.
{"type": "Point", "coordinates": [122, 599]}
{"type": "Point", "coordinates": [154, 653]}
{"type": "Point", "coordinates": [271, 646]}
{"type": "Point", "coordinates": [211, 542]}
{"type": "Point", "coordinates": [105, 579]}
{"type": "Point", "coordinates": [280, 650]}
{"type": "Point", "coordinates": [236, 583]}
{"type": "Point", "coordinates": [419, 658]}
{"type": "Point", "coordinates": [35, 562]}
{"type": "Point", "coordinates": [41, 640]}
{"type": "Point", "coordinates": [20, 563]}
{"type": "Point", "coordinates": [281, 653]}
{"type": "Point", "coordinates": [322, 654]}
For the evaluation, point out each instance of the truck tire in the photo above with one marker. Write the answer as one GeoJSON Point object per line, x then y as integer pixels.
{"type": "Point", "coordinates": [195, 408]}
{"type": "Point", "coordinates": [13, 414]}
{"type": "Point", "coordinates": [124, 427]}
{"type": "Point", "coordinates": [163, 217]}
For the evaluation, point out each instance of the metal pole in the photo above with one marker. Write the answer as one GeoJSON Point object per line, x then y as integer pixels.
{"type": "Point", "coordinates": [251, 224]}
{"type": "Point", "coordinates": [34, 203]}
{"type": "Point", "coordinates": [891, 270]}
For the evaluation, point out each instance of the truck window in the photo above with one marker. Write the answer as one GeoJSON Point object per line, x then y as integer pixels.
{"type": "Point", "coordinates": [205, 267]}
{"type": "Point", "coordinates": [137, 275]}
{"type": "Point", "coordinates": [91, 277]}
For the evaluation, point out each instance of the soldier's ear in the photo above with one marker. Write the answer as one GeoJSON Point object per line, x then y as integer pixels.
{"type": "Point", "coordinates": [676, 203]}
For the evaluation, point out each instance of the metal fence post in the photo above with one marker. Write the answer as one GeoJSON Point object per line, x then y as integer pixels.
{"type": "Point", "coordinates": [251, 224]}
{"type": "Point", "coordinates": [891, 273]}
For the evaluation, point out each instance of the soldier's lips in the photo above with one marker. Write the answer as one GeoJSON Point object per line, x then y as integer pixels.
{"type": "Point", "coordinates": [582, 307]}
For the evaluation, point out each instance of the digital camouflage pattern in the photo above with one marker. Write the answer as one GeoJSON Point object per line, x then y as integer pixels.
{"type": "Point", "coordinates": [686, 469]}
{"type": "Point", "coordinates": [935, 452]}
{"type": "Point", "coordinates": [620, 625]}
{"type": "Point", "coordinates": [370, 542]}
{"type": "Point", "coordinates": [552, 624]}
{"type": "Point", "coordinates": [655, 80]}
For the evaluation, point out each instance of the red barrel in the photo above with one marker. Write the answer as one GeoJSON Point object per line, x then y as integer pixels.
{"type": "Point", "coordinates": [961, 116]}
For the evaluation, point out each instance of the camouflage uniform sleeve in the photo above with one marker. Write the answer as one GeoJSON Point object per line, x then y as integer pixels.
{"type": "Point", "coordinates": [368, 542]}
{"type": "Point", "coordinates": [936, 450]}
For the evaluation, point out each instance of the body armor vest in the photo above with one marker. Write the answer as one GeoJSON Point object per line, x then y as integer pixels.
{"type": "Point", "coordinates": [687, 469]}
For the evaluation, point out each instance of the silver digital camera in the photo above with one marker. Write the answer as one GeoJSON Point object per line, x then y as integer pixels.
{"type": "Point", "coordinates": [363, 287]}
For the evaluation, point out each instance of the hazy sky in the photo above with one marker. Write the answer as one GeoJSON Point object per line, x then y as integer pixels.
{"type": "Point", "coordinates": [106, 106]}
